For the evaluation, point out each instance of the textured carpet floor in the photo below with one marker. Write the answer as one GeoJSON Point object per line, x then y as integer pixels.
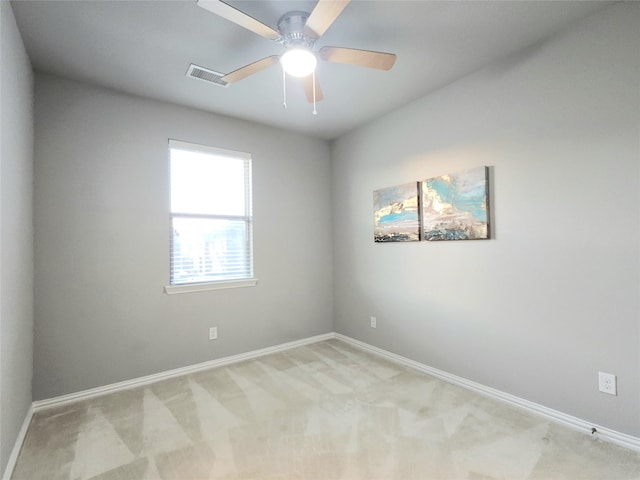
{"type": "Point", "coordinates": [323, 411]}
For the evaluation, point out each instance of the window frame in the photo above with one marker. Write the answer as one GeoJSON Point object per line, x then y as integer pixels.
{"type": "Point", "coordinates": [247, 218]}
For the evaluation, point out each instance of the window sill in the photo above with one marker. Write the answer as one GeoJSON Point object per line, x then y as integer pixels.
{"type": "Point", "coordinates": [202, 287]}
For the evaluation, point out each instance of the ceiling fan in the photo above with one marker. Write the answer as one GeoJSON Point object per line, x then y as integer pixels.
{"type": "Point", "coordinates": [298, 32]}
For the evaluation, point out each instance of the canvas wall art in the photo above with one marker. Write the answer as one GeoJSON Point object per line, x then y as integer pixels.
{"type": "Point", "coordinates": [396, 214]}
{"type": "Point", "coordinates": [456, 206]}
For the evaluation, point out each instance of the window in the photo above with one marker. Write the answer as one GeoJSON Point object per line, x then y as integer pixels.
{"type": "Point", "coordinates": [211, 219]}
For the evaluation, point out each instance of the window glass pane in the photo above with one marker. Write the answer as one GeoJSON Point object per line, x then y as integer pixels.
{"type": "Point", "coordinates": [202, 183]}
{"type": "Point", "coordinates": [205, 250]}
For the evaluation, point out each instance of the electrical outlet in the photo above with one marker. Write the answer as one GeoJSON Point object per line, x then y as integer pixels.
{"type": "Point", "coordinates": [607, 383]}
{"type": "Point", "coordinates": [373, 322]}
{"type": "Point", "coordinates": [213, 333]}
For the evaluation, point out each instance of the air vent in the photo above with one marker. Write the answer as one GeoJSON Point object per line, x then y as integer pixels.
{"type": "Point", "coordinates": [206, 75]}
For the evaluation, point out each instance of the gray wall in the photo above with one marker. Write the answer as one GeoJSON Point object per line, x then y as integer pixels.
{"type": "Point", "coordinates": [102, 240]}
{"type": "Point", "coordinates": [553, 298]}
{"type": "Point", "coordinates": [16, 233]}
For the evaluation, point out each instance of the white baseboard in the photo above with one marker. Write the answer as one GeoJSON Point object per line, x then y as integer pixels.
{"type": "Point", "coordinates": [603, 433]}
{"type": "Point", "coordinates": [156, 377]}
{"type": "Point", "coordinates": [17, 446]}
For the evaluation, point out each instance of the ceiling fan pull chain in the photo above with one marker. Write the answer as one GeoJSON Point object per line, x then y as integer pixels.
{"type": "Point", "coordinates": [315, 112]}
{"type": "Point", "coordinates": [284, 89]}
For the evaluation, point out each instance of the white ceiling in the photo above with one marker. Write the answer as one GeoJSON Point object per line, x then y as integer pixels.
{"type": "Point", "coordinates": [145, 47]}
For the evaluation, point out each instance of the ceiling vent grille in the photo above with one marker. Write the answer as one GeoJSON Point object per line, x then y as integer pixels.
{"type": "Point", "coordinates": [206, 75]}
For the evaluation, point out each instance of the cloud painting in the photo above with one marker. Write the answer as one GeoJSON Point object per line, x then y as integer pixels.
{"type": "Point", "coordinates": [396, 214]}
{"type": "Point", "coordinates": [455, 206]}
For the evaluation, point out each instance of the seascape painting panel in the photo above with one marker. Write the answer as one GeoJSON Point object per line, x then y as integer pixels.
{"type": "Point", "coordinates": [396, 215]}
{"type": "Point", "coordinates": [455, 206]}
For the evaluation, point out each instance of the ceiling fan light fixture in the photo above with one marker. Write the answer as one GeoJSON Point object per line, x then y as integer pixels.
{"type": "Point", "coordinates": [298, 62]}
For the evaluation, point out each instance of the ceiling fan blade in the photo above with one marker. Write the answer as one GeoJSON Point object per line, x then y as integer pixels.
{"type": "Point", "coordinates": [323, 15]}
{"type": "Point", "coordinates": [307, 83]}
{"type": "Point", "coordinates": [239, 18]}
{"type": "Point", "coordinates": [250, 69]}
{"type": "Point", "coordinates": [363, 58]}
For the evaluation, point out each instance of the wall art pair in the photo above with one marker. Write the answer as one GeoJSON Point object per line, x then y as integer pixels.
{"type": "Point", "coordinates": [449, 207]}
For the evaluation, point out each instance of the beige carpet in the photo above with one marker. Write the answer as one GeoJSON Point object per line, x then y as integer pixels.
{"type": "Point", "coordinates": [323, 411]}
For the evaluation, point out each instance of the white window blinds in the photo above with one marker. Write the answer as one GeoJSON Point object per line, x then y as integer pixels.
{"type": "Point", "coordinates": [211, 218]}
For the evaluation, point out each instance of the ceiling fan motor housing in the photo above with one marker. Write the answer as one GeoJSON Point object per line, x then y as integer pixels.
{"type": "Point", "coordinates": [291, 27]}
